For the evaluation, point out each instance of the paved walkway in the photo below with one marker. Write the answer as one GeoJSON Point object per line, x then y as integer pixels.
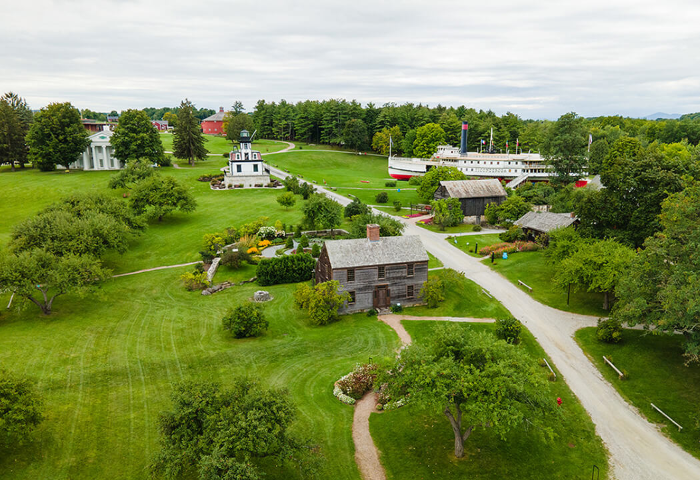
{"type": "Point", "coordinates": [154, 269]}
{"type": "Point", "coordinates": [638, 450]}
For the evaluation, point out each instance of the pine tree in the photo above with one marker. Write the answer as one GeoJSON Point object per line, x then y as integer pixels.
{"type": "Point", "coordinates": [188, 141]}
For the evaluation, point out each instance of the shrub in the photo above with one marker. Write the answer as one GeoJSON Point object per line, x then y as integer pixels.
{"type": "Point", "coordinates": [213, 242]}
{"type": "Point", "coordinates": [207, 257]}
{"type": "Point", "coordinates": [165, 161]}
{"type": "Point", "coordinates": [289, 243]}
{"type": "Point", "coordinates": [372, 312]}
{"type": "Point", "coordinates": [322, 301]}
{"type": "Point", "coordinates": [247, 320]}
{"type": "Point", "coordinates": [609, 331]}
{"type": "Point", "coordinates": [477, 228]}
{"type": "Point", "coordinates": [253, 251]}
{"type": "Point", "coordinates": [285, 269]}
{"type": "Point", "coordinates": [513, 234]}
{"type": "Point", "coordinates": [514, 247]}
{"type": "Point", "coordinates": [390, 183]}
{"type": "Point", "coordinates": [433, 292]}
{"type": "Point", "coordinates": [267, 233]}
{"type": "Point", "coordinates": [316, 250]}
{"type": "Point", "coordinates": [297, 232]}
{"type": "Point", "coordinates": [356, 207]}
{"type": "Point", "coordinates": [396, 309]}
{"type": "Point", "coordinates": [382, 197]}
{"type": "Point", "coordinates": [397, 205]}
{"type": "Point", "coordinates": [21, 407]}
{"type": "Point", "coordinates": [304, 241]}
{"type": "Point", "coordinates": [264, 243]}
{"type": "Point", "coordinates": [415, 180]}
{"type": "Point", "coordinates": [252, 228]}
{"type": "Point", "coordinates": [194, 280]}
{"type": "Point", "coordinates": [509, 330]}
{"type": "Point", "coordinates": [358, 382]}
{"type": "Point", "coordinates": [234, 259]}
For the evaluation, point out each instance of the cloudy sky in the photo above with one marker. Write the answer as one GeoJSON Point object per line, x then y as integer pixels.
{"type": "Point", "coordinates": [536, 58]}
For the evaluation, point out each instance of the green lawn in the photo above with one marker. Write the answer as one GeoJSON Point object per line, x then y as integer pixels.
{"type": "Point", "coordinates": [467, 243]}
{"type": "Point", "coordinates": [531, 268]}
{"type": "Point", "coordinates": [219, 144]}
{"type": "Point", "coordinates": [463, 298]}
{"type": "Point", "coordinates": [657, 375]}
{"type": "Point", "coordinates": [420, 445]}
{"type": "Point", "coordinates": [433, 262]}
{"type": "Point", "coordinates": [105, 365]}
{"type": "Point", "coordinates": [461, 228]}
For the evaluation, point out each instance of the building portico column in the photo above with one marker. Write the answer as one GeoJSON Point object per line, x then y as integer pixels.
{"type": "Point", "coordinates": [108, 161]}
{"type": "Point", "coordinates": [94, 165]}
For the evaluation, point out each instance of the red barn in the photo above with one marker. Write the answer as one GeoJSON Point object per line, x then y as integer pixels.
{"type": "Point", "coordinates": [161, 125]}
{"type": "Point", "coordinates": [215, 123]}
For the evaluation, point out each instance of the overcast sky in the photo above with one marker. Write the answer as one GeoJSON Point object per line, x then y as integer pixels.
{"type": "Point", "coordinates": [538, 59]}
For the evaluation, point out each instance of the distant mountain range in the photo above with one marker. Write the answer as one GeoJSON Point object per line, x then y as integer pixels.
{"type": "Point", "coordinates": [656, 115]}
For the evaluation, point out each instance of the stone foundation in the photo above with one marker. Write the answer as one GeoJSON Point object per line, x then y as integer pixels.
{"type": "Point", "coordinates": [247, 181]}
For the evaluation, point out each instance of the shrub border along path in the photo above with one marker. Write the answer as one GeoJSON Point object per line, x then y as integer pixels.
{"type": "Point", "coordinates": [366, 454]}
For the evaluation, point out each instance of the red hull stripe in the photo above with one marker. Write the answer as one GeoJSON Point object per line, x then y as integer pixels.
{"type": "Point", "coordinates": [400, 177]}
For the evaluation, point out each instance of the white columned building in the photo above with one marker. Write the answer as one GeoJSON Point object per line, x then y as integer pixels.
{"type": "Point", "coordinates": [245, 166]}
{"type": "Point", "coordinates": [99, 155]}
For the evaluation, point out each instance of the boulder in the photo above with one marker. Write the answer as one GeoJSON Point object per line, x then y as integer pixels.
{"type": "Point", "coordinates": [262, 296]}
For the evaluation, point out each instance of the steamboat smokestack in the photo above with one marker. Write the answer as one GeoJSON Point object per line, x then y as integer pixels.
{"type": "Point", "coordinates": [465, 133]}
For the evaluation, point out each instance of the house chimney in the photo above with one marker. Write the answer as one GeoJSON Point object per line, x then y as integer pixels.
{"type": "Point", "coordinates": [372, 232]}
{"type": "Point", "coordinates": [221, 109]}
{"type": "Point", "coordinates": [573, 215]}
{"type": "Point", "coordinates": [465, 133]}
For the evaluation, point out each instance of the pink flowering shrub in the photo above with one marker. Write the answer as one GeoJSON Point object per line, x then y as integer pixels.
{"type": "Point", "coordinates": [358, 382]}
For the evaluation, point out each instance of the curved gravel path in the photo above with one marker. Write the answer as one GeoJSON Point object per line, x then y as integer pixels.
{"type": "Point", "coordinates": [366, 454]}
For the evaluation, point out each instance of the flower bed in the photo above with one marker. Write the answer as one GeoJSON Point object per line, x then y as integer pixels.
{"type": "Point", "coordinates": [499, 248]}
{"type": "Point", "coordinates": [355, 384]}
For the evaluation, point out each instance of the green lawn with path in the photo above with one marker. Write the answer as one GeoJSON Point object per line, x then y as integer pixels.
{"type": "Point", "coordinates": [532, 269]}
{"type": "Point", "coordinates": [657, 374]}
{"type": "Point", "coordinates": [219, 144]}
{"type": "Point", "coordinates": [461, 228]}
{"type": "Point", "coordinates": [467, 243]}
{"type": "Point", "coordinates": [463, 298]}
{"type": "Point", "coordinates": [420, 445]}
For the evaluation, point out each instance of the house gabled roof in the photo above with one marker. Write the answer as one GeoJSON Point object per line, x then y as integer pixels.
{"type": "Point", "coordinates": [217, 117]}
{"type": "Point", "coordinates": [474, 188]}
{"type": "Point", "coordinates": [545, 221]}
{"type": "Point", "coordinates": [360, 252]}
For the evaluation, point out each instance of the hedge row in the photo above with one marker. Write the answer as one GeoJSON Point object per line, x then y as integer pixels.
{"type": "Point", "coordinates": [513, 247]}
{"type": "Point", "coordinates": [285, 269]}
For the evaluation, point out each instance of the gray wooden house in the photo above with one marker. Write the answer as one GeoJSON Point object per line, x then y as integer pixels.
{"type": "Point", "coordinates": [541, 223]}
{"type": "Point", "coordinates": [377, 271]}
{"type": "Point", "coordinates": [473, 195]}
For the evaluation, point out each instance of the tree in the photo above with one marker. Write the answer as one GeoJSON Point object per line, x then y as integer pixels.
{"type": "Point", "coordinates": [428, 137]}
{"type": "Point", "coordinates": [408, 141]}
{"type": "Point", "coordinates": [447, 212]}
{"type": "Point", "coordinates": [388, 226]}
{"type": "Point", "coordinates": [41, 276]}
{"type": "Point", "coordinates": [246, 320]}
{"type": "Point", "coordinates": [355, 134]}
{"type": "Point", "coordinates": [25, 117]}
{"type": "Point", "coordinates": [432, 179]}
{"type": "Point", "coordinates": [356, 207]}
{"type": "Point", "coordinates": [21, 408]}
{"type": "Point", "coordinates": [156, 197]}
{"type": "Point", "coordinates": [236, 123]}
{"type": "Point", "coordinates": [507, 212]}
{"type": "Point", "coordinates": [433, 292]}
{"type": "Point", "coordinates": [320, 212]}
{"type": "Point", "coordinates": [659, 290]}
{"type": "Point", "coordinates": [322, 301]}
{"type": "Point", "coordinates": [565, 148]}
{"type": "Point", "coordinates": [188, 141]}
{"type": "Point", "coordinates": [171, 118]}
{"type": "Point", "coordinates": [237, 107]}
{"type": "Point", "coordinates": [380, 141]}
{"type": "Point", "coordinates": [599, 150]}
{"type": "Point", "coordinates": [287, 200]}
{"type": "Point", "coordinates": [135, 171]}
{"type": "Point", "coordinates": [475, 380]}
{"type": "Point", "coordinates": [596, 266]}
{"type": "Point", "coordinates": [135, 137]}
{"type": "Point", "coordinates": [12, 146]}
{"type": "Point", "coordinates": [57, 137]}
{"type": "Point", "coordinates": [216, 433]}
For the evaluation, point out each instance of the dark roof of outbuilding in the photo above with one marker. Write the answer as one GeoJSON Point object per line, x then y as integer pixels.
{"type": "Point", "coordinates": [360, 252]}
{"type": "Point", "coordinates": [545, 221]}
{"type": "Point", "coordinates": [474, 188]}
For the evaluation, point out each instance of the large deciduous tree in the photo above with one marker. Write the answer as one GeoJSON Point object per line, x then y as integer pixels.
{"type": "Point", "coordinates": [229, 433]}
{"type": "Point", "coordinates": [21, 408]}
{"type": "Point", "coordinates": [475, 380]}
{"type": "Point", "coordinates": [322, 301]}
{"type": "Point", "coordinates": [507, 212]}
{"type": "Point", "coordinates": [57, 137]}
{"type": "Point", "coordinates": [235, 122]}
{"type": "Point", "coordinates": [41, 276]}
{"type": "Point", "coordinates": [380, 141]}
{"type": "Point", "coordinates": [660, 289]}
{"type": "Point", "coordinates": [158, 196]}
{"type": "Point", "coordinates": [355, 134]}
{"type": "Point", "coordinates": [447, 212]}
{"type": "Point", "coordinates": [188, 141]}
{"type": "Point", "coordinates": [388, 226]}
{"type": "Point", "coordinates": [12, 146]}
{"type": "Point", "coordinates": [320, 212]}
{"type": "Point", "coordinates": [135, 171]}
{"type": "Point", "coordinates": [135, 137]}
{"type": "Point", "coordinates": [433, 177]}
{"type": "Point", "coordinates": [565, 148]}
{"type": "Point", "coordinates": [428, 137]}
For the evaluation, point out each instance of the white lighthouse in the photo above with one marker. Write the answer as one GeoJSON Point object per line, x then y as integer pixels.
{"type": "Point", "coordinates": [245, 166]}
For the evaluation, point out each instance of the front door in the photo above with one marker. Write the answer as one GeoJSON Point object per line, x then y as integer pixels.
{"type": "Point", "coordinates": [381, 296]}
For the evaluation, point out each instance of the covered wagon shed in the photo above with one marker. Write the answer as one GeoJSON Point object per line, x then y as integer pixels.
{"type": "Point", "coordinates": [473, 195]}
{"type": "Point", "coordinates": [541, 223]}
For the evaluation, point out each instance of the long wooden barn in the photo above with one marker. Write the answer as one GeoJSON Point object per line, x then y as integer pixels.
{"type": "Point", "coordinates": [473, 195]}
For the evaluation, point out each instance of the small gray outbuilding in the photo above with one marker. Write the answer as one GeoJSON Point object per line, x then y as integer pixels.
{"type": "Point", "coordinates": [473, 195]}
{"type": "Point", "coordinates": [377, 271]}
{"type": "Point", "coordinates": [541, 223]}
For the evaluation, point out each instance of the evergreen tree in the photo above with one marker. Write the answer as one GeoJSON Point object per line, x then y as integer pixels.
{"type": "Point", "coordinates": [25, 116]}
{"type": "Point", "coordinates": [11, 139]}
{"type": "Point", "coordinates": [188, 141]}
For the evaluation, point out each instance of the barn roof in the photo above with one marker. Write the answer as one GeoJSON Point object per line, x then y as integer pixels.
{"type": "Point", "coordinates": [360, 252]}
{"type": "Point", "coordinates": [474, 188]}
{"type": "Point", "coordinates": [545, 221]}
{"type": "Point", "coordinates": [217, 117]}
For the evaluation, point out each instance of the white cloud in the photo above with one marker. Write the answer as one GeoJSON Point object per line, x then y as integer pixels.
{"type": "Point", "coordinates": [539, 59]}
